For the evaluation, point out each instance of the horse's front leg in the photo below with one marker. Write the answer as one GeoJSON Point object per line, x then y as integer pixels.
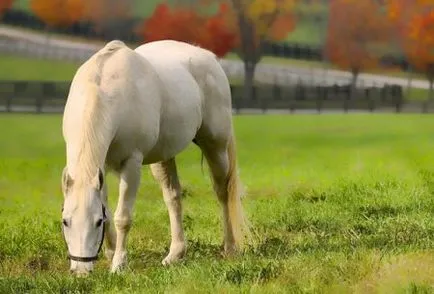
{"type": "Point", "coordinates": [165, 173]}
{"type": "Point", "coordinates": [128, 186]}
{"type": "Point", "coordinates": [110, 235]}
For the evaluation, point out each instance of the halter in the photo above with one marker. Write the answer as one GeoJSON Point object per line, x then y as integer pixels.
{"type": "Point", "coordinates": [90, 258]}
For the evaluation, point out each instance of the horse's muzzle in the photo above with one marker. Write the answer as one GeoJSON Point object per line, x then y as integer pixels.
{"type": "Point", "coordinates": [81, 269]}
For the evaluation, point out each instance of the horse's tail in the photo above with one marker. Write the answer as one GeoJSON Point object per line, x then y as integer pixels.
{"type": "Point", "coordinates": [107, 51]}
{"type": "Point", "coordinates": [238, 221]}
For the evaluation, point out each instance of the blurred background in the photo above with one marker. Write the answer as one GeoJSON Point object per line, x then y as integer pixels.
{"type": "Point", "coordinates": [280, 55]}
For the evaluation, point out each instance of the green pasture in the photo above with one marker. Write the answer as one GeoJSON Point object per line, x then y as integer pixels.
{"type": "Point", "coordinates": [339, 204]}
{"type": "Point", "coordinates": [25, 68]}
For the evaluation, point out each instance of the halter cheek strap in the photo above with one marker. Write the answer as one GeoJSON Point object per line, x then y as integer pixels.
{"type": "Point", "coordinates": [91, 258]}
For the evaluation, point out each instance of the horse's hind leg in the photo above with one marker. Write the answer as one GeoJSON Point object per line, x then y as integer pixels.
{"type": "Point", "coordinates": [220, 158]}
{"type": "Point", "coordinates": [166, 175]}
{"type": "Point", "coordinates": [128, 186]}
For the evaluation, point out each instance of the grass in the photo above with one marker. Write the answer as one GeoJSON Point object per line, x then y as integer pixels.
{"type": "Point", "coordinates": [24, 68]}
{"type": "Point", "coordinates": [308, 33]}
{"type": "Point", "coordinates": [341, 204]}
{"type": "Point", "coordinates": [418, 95]}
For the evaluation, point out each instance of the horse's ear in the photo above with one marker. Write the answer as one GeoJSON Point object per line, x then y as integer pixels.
{"type": "Point", "coordinates": [99, 180]}
{"type": "Point", "coordinates": [66, 180]}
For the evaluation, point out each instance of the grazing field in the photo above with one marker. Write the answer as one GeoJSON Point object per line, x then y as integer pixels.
{"type": "Point", "coordinates": [339, 204]}
{"type": "Point", "coordinates": [26, 68]}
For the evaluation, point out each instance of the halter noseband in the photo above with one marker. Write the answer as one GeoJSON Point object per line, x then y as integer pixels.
{"type": "Point", "coordinates": [91, 258]}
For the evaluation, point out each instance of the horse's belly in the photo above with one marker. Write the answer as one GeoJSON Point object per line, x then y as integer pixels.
{"type": "Point", "coordinates": [177, 130]}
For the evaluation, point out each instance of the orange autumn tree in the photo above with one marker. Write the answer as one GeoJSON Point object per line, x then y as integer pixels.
{"type": "Point", "coordinates": [58, 13]}
{"type": "Point", "coordinates": [240, 25]}
{"type": "Point", "coordinates": [5, 5]}
{"type": "Point", "coordinates": [399, 14]}
{"type": "Point", "coordinates": [104, 12]}
{"type": "Point", "coordinates": [259, 21]}
{"type": "Point", "coordinates": [184, 23]}
{"type": "Point", "coordinates": [415, 20]}
{"type": "Point", "coordinates": [357, 30]}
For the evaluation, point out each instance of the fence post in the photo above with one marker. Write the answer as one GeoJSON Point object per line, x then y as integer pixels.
{"type": "Point", "coordinates": [425, 106]}
{"type": "Point", "coordinates": [9, 103]}
{"type": "Point", "coordinates": [235, 101]}
{"type": "Point", "coordinates": [264, 104]}
{"type": "Point", "coordinates": [347, 98]}
{"type": "Point", "coordinates": [368, 97]}
{"type": "Point", "coordinates": [38, 104]}
{"type": "Point", "coordinates": [277, 95]}
{"type": "Point", "coordinates": [384, 93]}
{"type": "Point", "coordinates": [398, 98]}
{"type": "Point", "coordinates": [319, 98]}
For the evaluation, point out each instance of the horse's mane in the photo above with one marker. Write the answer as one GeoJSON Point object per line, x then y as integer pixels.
{"type": "Point", "coordinates": [95, 128]}
{"type": "Point", "coordinates": [92, 137]}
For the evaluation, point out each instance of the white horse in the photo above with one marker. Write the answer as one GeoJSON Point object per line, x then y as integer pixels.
{"type": "Point", "coordinates": [127, 108]}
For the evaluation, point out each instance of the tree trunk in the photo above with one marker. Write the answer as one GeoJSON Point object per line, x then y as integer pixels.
{"type": "Point", "coordinates": [409, 81]}
{"type": "Point", "coordinates": [47, 32]}
{"type": "Point", "coordinates": [430, 97]}
{"type": "Point", "coordinates": [249, 76]}
{"type": "Point", "coordinates": [354, 83]}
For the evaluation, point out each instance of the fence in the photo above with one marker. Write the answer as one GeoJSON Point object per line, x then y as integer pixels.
{"type": "Point", "coordinates": [39, 97]}
{"type": "Point", "coordinates": [279, 86]}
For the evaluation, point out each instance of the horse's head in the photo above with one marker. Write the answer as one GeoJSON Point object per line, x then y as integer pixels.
{"type": "Point", "coordinates": [83, 217]}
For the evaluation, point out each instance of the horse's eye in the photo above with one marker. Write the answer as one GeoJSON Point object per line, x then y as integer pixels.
{"type": "Point", "coordinates": [65, 223]}
{"type": "Point", "coordinates": [99, 222]}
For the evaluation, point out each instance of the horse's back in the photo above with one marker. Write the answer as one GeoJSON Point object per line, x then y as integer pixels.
{"type": "Point", "coordinates": [170, 56]}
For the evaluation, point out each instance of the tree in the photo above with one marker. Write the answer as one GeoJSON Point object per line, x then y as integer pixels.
{"type": "Point", "coordinates": [5, 5]}
{"type": "Point", "coordinates": [185, 24]}
{"type": "Point", "coordinates": [58, 13]}
{"type": "Point", "coordinates": [356, 33]}
{"type": "Point", "coordinates": [419, 45]}
{"type": "Point", "coordinates": [414, 23]}
{"type": "Point", "coordinates": [240, 25]}
{"type": "Point", "coordinates": [259, 21]}
{"type": "Point", "coordinates": [102, 13]}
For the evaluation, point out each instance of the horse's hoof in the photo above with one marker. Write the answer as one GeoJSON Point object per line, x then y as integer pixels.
{"type": "Point", "coordinates": [119, 262]}
{"type": "Point", "coordinates": [229, 250]}
{"type": "Point", "coordinates": [170, 259]}
{"type": "Point", "coordinates": [177, 252]}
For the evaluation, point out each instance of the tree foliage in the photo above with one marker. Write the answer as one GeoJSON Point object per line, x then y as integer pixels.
{"type": "Point", "coordinates": [357, 30]}
{"type": "Point", "coordinates": [414, 21]}
{"type": "Point", "coordinates": [56, 13]}
{"type": "Point", "coordinates": [101, 12]}
{"type": "Point", "coordinates": [259, 21]}
{"type": "Point", "coordinates": [186, 24]}
{"type": "Point", "coordinates": [5, 5]}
